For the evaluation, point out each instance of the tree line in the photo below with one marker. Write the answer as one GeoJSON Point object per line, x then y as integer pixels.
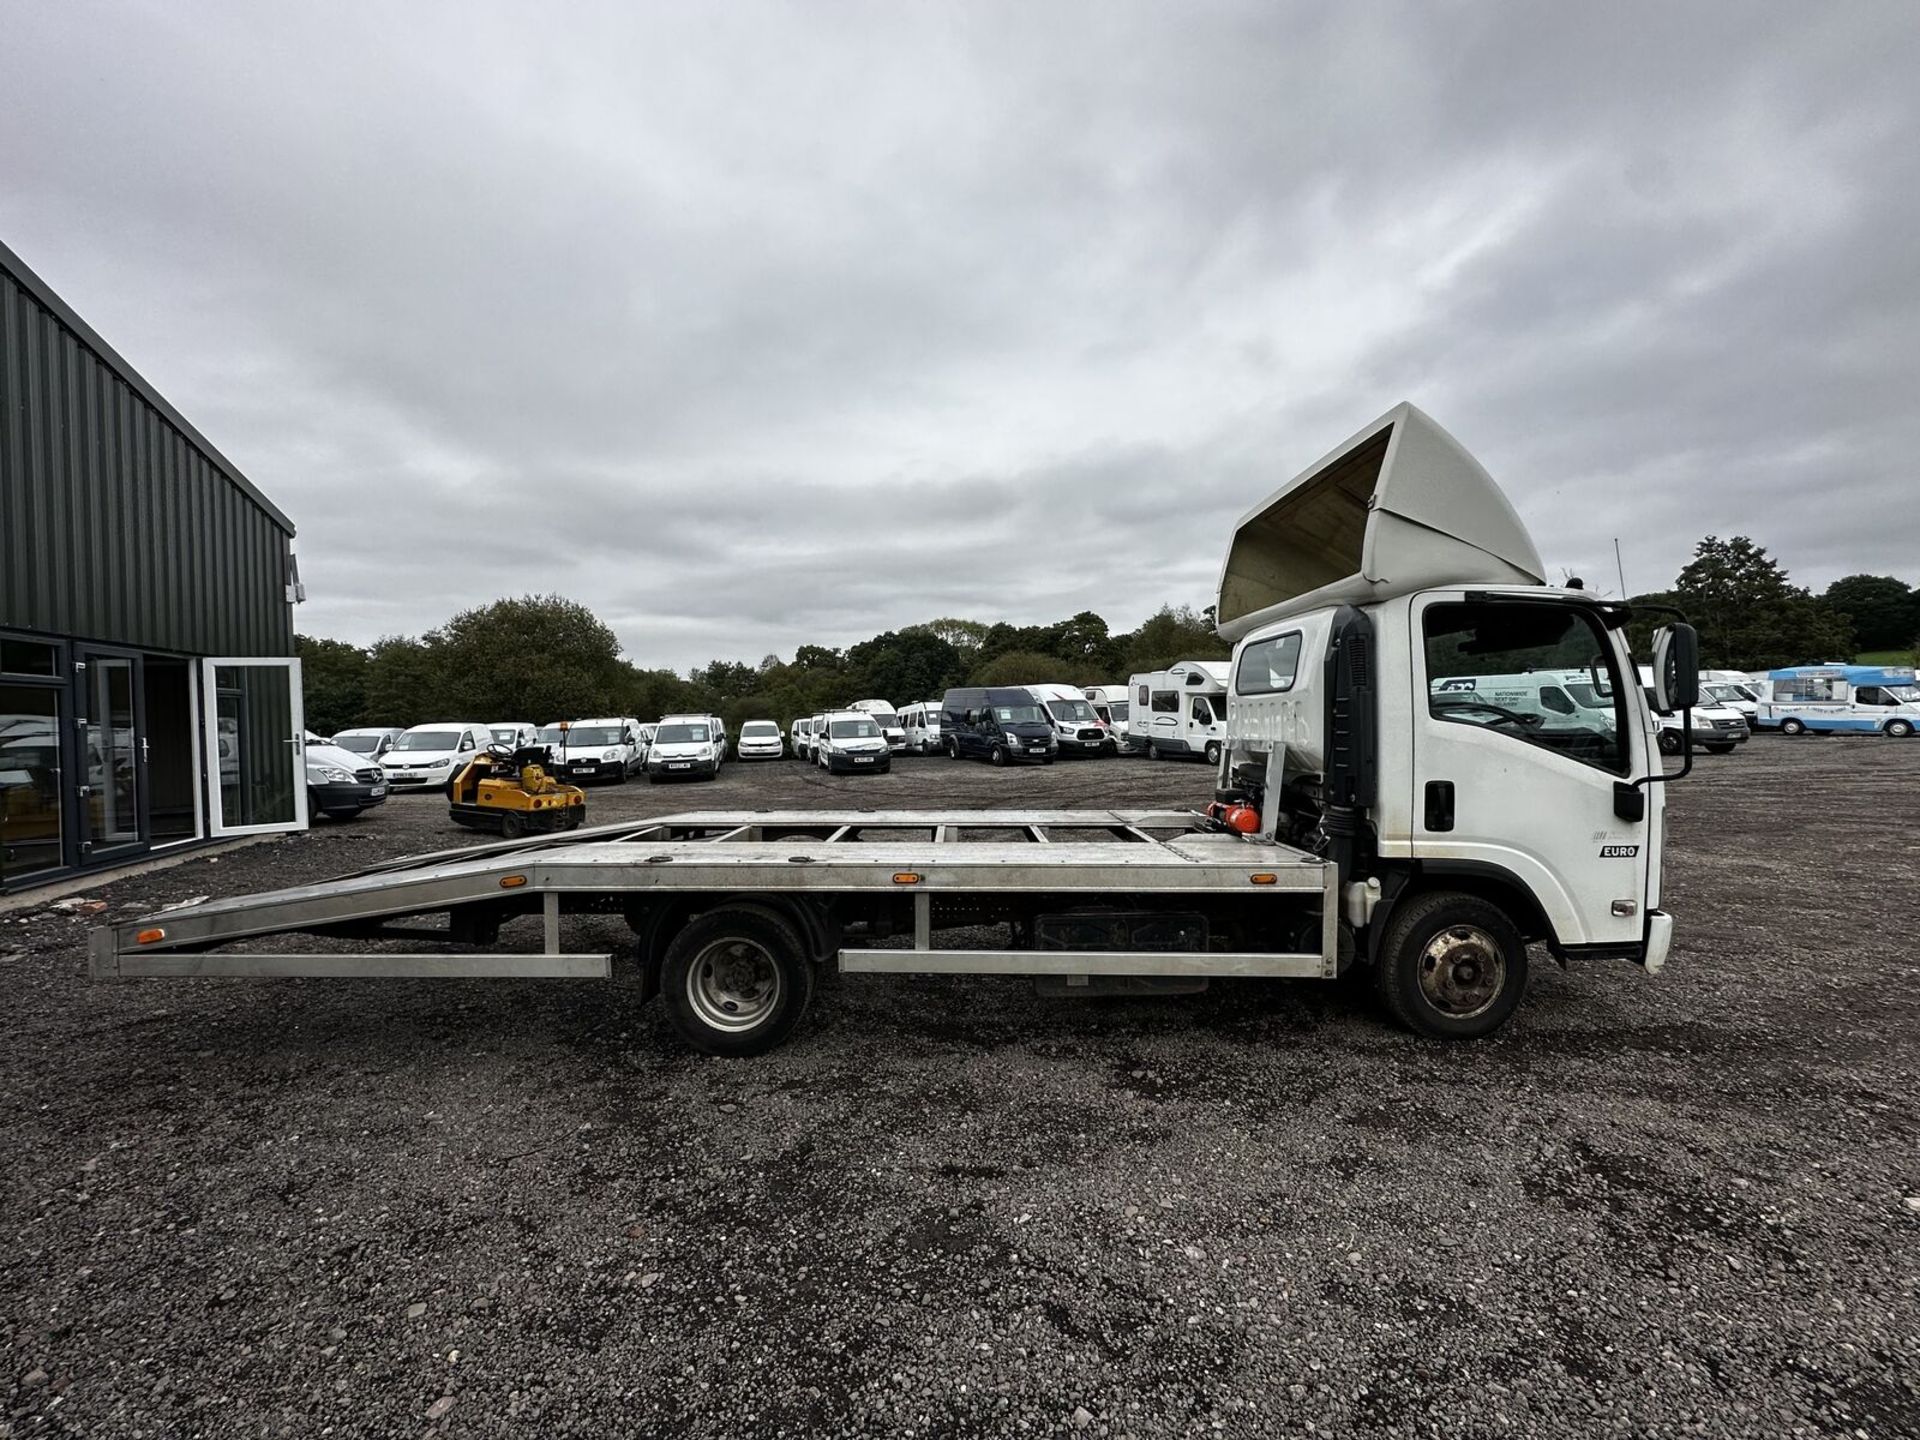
{"type": "Point", "coordinates": [544, 657]}
{"type": "Point", "coordinates": [1751, 616]}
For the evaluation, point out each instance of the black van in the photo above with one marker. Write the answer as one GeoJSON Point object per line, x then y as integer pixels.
{"type": "Point", "coordinates": [997, 725]}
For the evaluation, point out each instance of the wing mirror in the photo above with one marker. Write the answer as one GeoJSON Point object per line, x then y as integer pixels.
{"type": "Point", "coordinates": [1676, 667]}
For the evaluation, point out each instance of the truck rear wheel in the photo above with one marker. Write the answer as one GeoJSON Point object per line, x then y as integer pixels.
{"type": "Point", "coordinates": [1900, 729]}
{"type": "Point", "coordinates": [736, 982]}
{"type": "Point", "coordinates": [1452, 966]}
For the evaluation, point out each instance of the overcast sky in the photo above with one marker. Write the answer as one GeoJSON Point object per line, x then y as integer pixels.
{"type": "Point", "coordinates": [754, 326]}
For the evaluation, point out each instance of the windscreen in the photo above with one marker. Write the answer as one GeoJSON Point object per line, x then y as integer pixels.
{"type": "Point", "coordinates": [1905, 694]}
{"type": "Point", "coordinates": [359, 744]}
{"type": "Point", "coordinates": [760, 728]}
{"type": "Point", "coordinates": [1725, 694]}
{"type": "Point", "coordinates": [1071, 712]}
{"type": "Point", "coordinates": [428, 740]}
{"type": "Point", "coordinates": [1020, 714]}
{"type": "Point", "coordinates": [584, 735]}
{"type": "Point", "coordinates": [885, 718]}
{"type": "Point", "coordinates": [507, 734]}
{"type": "Point", "coordinates": [550, 735]}
{"type": "Point", "coordinates": [682, 735]}
{"type": "Point", "coordinates": [853, 730]}
{"type": "Point", "coordinates": [1118, 710]}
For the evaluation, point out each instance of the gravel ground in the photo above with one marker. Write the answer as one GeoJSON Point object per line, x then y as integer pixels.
{"type": "Point", "coordinates": [1679, 1206]}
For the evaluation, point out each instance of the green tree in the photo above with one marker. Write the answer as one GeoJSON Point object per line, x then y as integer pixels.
{"type": "Point", "coordinates": [903, 666]}
{"type": "Point", "coordinates": [403, 683]}
{"type": "Point", "coordinates": [1884, 612]}
{"type": "Point", "coordinates": [1028, 667]}
{"type": "Point", "coordinates": [537, 658]}
{"type": "Point", "coordinates": [1168, 635]}
{"type": "Point", "coordinates": [1750, 616]}
{"type": "Point", "coordinates": [963, 635]}
{"type": "Point", "coordinates": [333, 677]}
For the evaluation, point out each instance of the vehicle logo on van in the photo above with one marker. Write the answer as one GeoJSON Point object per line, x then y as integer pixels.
{"type": "Point", "coordinates": [1449, 685]}
{"type": "Point", "coordinates": [1618, 852]}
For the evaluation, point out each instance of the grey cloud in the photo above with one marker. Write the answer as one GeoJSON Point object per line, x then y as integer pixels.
{"type": "Point", "coordinates": [771, 324]}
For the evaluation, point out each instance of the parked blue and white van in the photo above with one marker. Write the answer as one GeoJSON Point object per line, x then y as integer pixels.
{"type": "Point", "coordinates": [1841, 700]}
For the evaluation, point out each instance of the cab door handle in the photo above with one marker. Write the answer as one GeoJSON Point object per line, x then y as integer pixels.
{"type": "Point", "coordinates": [1439, 815]}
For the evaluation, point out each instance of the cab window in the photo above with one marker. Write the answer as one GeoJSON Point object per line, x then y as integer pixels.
{"type": "Point", "coordinates": [1494, 638]}
{"type": "Point", "coordinates": [1202, 711]}
{"type": "Point", "coordinates": [1268, 667]}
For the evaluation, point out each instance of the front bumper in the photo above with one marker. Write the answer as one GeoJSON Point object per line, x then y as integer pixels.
{"type": "Point", "coordinates": [346, 799]}
{"type": "Point", "coordinates": [590, 769]}
{"type": "Point", "coordinates": [761, 752]}
{"type": "Point", "coordinates": [854, 764]}
{"type": "Point", "coordinates": [682, 769]}
{"type": "Point", "coordinates": [419, 779]}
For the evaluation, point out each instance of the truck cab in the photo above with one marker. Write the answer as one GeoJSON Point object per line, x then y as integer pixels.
{"type": "Point", "coordinates": [1400, 700]}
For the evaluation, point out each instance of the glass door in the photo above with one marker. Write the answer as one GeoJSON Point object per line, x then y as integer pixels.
{"type": "Point", "coordinates": [31, 828]}
{"type": "Point", "coordinates": [111, 821]}
{"type": "Point", "coordinates": [255, 745]}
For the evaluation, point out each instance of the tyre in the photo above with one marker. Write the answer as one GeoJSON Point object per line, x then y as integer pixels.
{"type": "Point", "coordinates": [512, 827]}
{"type": "Point", "coordinates": [620, 776]}
{"type": "Point", "coordinates": [1213, 753]}
{"type": "Point", "coordinates": [1670, 743]}
{"type": "Point", "coordinates": [736, 982]}
{"type": "Point", "coordinates": [999, 755]}
{"type": "Point", "coordinates": [652, 779]}
{"type": "Point", "coordinates": [1153, 751]}
{"type": "Point", "coordinates": [953, 749]}
{"type": "Point", "coordinates": [1900, 729]}
{"type": "Point", "coordinates": [886, 769]}
{"type": "Point", "coordinates": [1791, 726]}
{"type": "Point", "coordinates": [1452, 966]}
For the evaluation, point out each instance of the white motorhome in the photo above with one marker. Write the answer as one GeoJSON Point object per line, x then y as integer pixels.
{"type": "Point", "coordinates": [1076, 728]}
{"type": "Point", "coordinates": [888, 719]}
{"type": "Point", "coordinates": [1111, 704]}
{"type": "Point", "coordinates": [1181, 710]}
{"type": "Point", "coordinates": [1363, 819]}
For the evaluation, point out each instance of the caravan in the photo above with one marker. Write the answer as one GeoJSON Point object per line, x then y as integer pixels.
{"type": "Point", "coordinates": [1841, 700]}
{"type": "Point", "coordinates": [1181, 710]}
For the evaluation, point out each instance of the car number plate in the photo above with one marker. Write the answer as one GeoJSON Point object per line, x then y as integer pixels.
{"type": "Point", "coordinates": [679, 765]}
{"type": "Point", "coordinates": [863, 759]}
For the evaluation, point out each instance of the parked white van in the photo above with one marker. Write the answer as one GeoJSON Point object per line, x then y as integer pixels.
{"type": "Point", "coordinates": [426, 756]}
{"type": "Point", "coordinates": [850, 741]}
{"type": "Point", "coordinates": [760, 740]}
{"type": "Point", "coordinates": [1717, 728]}
{"type": "Point", "coordinates": [1111, 705]}
{"type": "Point", "coordinates": [604, 749]}
{"type": "Point", "coordinates": [370, 742]}
{"type": "Point", "coordinates": [686, 747]}
{"type": "Point", "coordinates": [921, 721]}
{"type": "Point", "coordinates": [888, 719]}
{"type": "Point", "coordinates": [1181, 710]}
{"type": "Point", "coordinates": [514, 734]}
{"type": "Point", "coordinates": [1077, 729]}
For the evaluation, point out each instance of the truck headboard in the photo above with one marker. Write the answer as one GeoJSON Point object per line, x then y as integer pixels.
{"type": "Point", "coordinates": [1399, 507]}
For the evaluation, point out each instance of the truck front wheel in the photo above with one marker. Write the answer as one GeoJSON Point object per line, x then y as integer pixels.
{"type": "Point", "coordinates": [1900, 729]}
{"type": "Point", "coordinates": [736, 982]}
{"type": "Point", "coordinates": [1452, 966]}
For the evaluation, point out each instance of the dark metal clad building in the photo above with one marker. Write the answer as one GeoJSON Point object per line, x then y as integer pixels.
{"type": "Point", "coordinates": [139, 572]}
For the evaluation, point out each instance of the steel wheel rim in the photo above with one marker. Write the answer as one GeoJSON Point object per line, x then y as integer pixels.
{"type": "Point", "coordinates": [1462, 971]}
{"type": "Point", "coordinates": [734, 985]}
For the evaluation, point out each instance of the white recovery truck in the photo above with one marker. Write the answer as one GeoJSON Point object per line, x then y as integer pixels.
{"type": "Point", "coordinates": [1365, 816]}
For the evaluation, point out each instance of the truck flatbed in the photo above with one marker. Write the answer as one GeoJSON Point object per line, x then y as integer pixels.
{"type": "Point", "coordinates": [940, 862]}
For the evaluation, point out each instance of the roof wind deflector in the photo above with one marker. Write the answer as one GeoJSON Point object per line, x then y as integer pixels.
{"type": "Point", "coordinates": [1400, 507]}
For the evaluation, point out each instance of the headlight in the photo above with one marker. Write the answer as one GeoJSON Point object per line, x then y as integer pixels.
{"type": "Point", "coordinates": [609, 754]}
{"type": "Point", "coordinates": [330, 775]}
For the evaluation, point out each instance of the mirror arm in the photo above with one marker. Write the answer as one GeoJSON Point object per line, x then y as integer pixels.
{"type": "Point", "coordinates": [1686, 755]}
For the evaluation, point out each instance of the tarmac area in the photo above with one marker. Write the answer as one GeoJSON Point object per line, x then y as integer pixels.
{"type": "Point", "coordinates": [1672, 1206]}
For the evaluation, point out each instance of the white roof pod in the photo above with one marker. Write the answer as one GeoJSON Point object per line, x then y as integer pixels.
{"type": "Point", "coordinates": [1399, 507]}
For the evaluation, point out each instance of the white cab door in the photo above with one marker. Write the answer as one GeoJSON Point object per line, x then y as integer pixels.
{"type": "Point", "coordinates": [1529, 795]}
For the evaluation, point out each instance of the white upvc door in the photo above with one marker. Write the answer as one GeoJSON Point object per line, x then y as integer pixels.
{"type": "Point", "coordinates": [255, 740]}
